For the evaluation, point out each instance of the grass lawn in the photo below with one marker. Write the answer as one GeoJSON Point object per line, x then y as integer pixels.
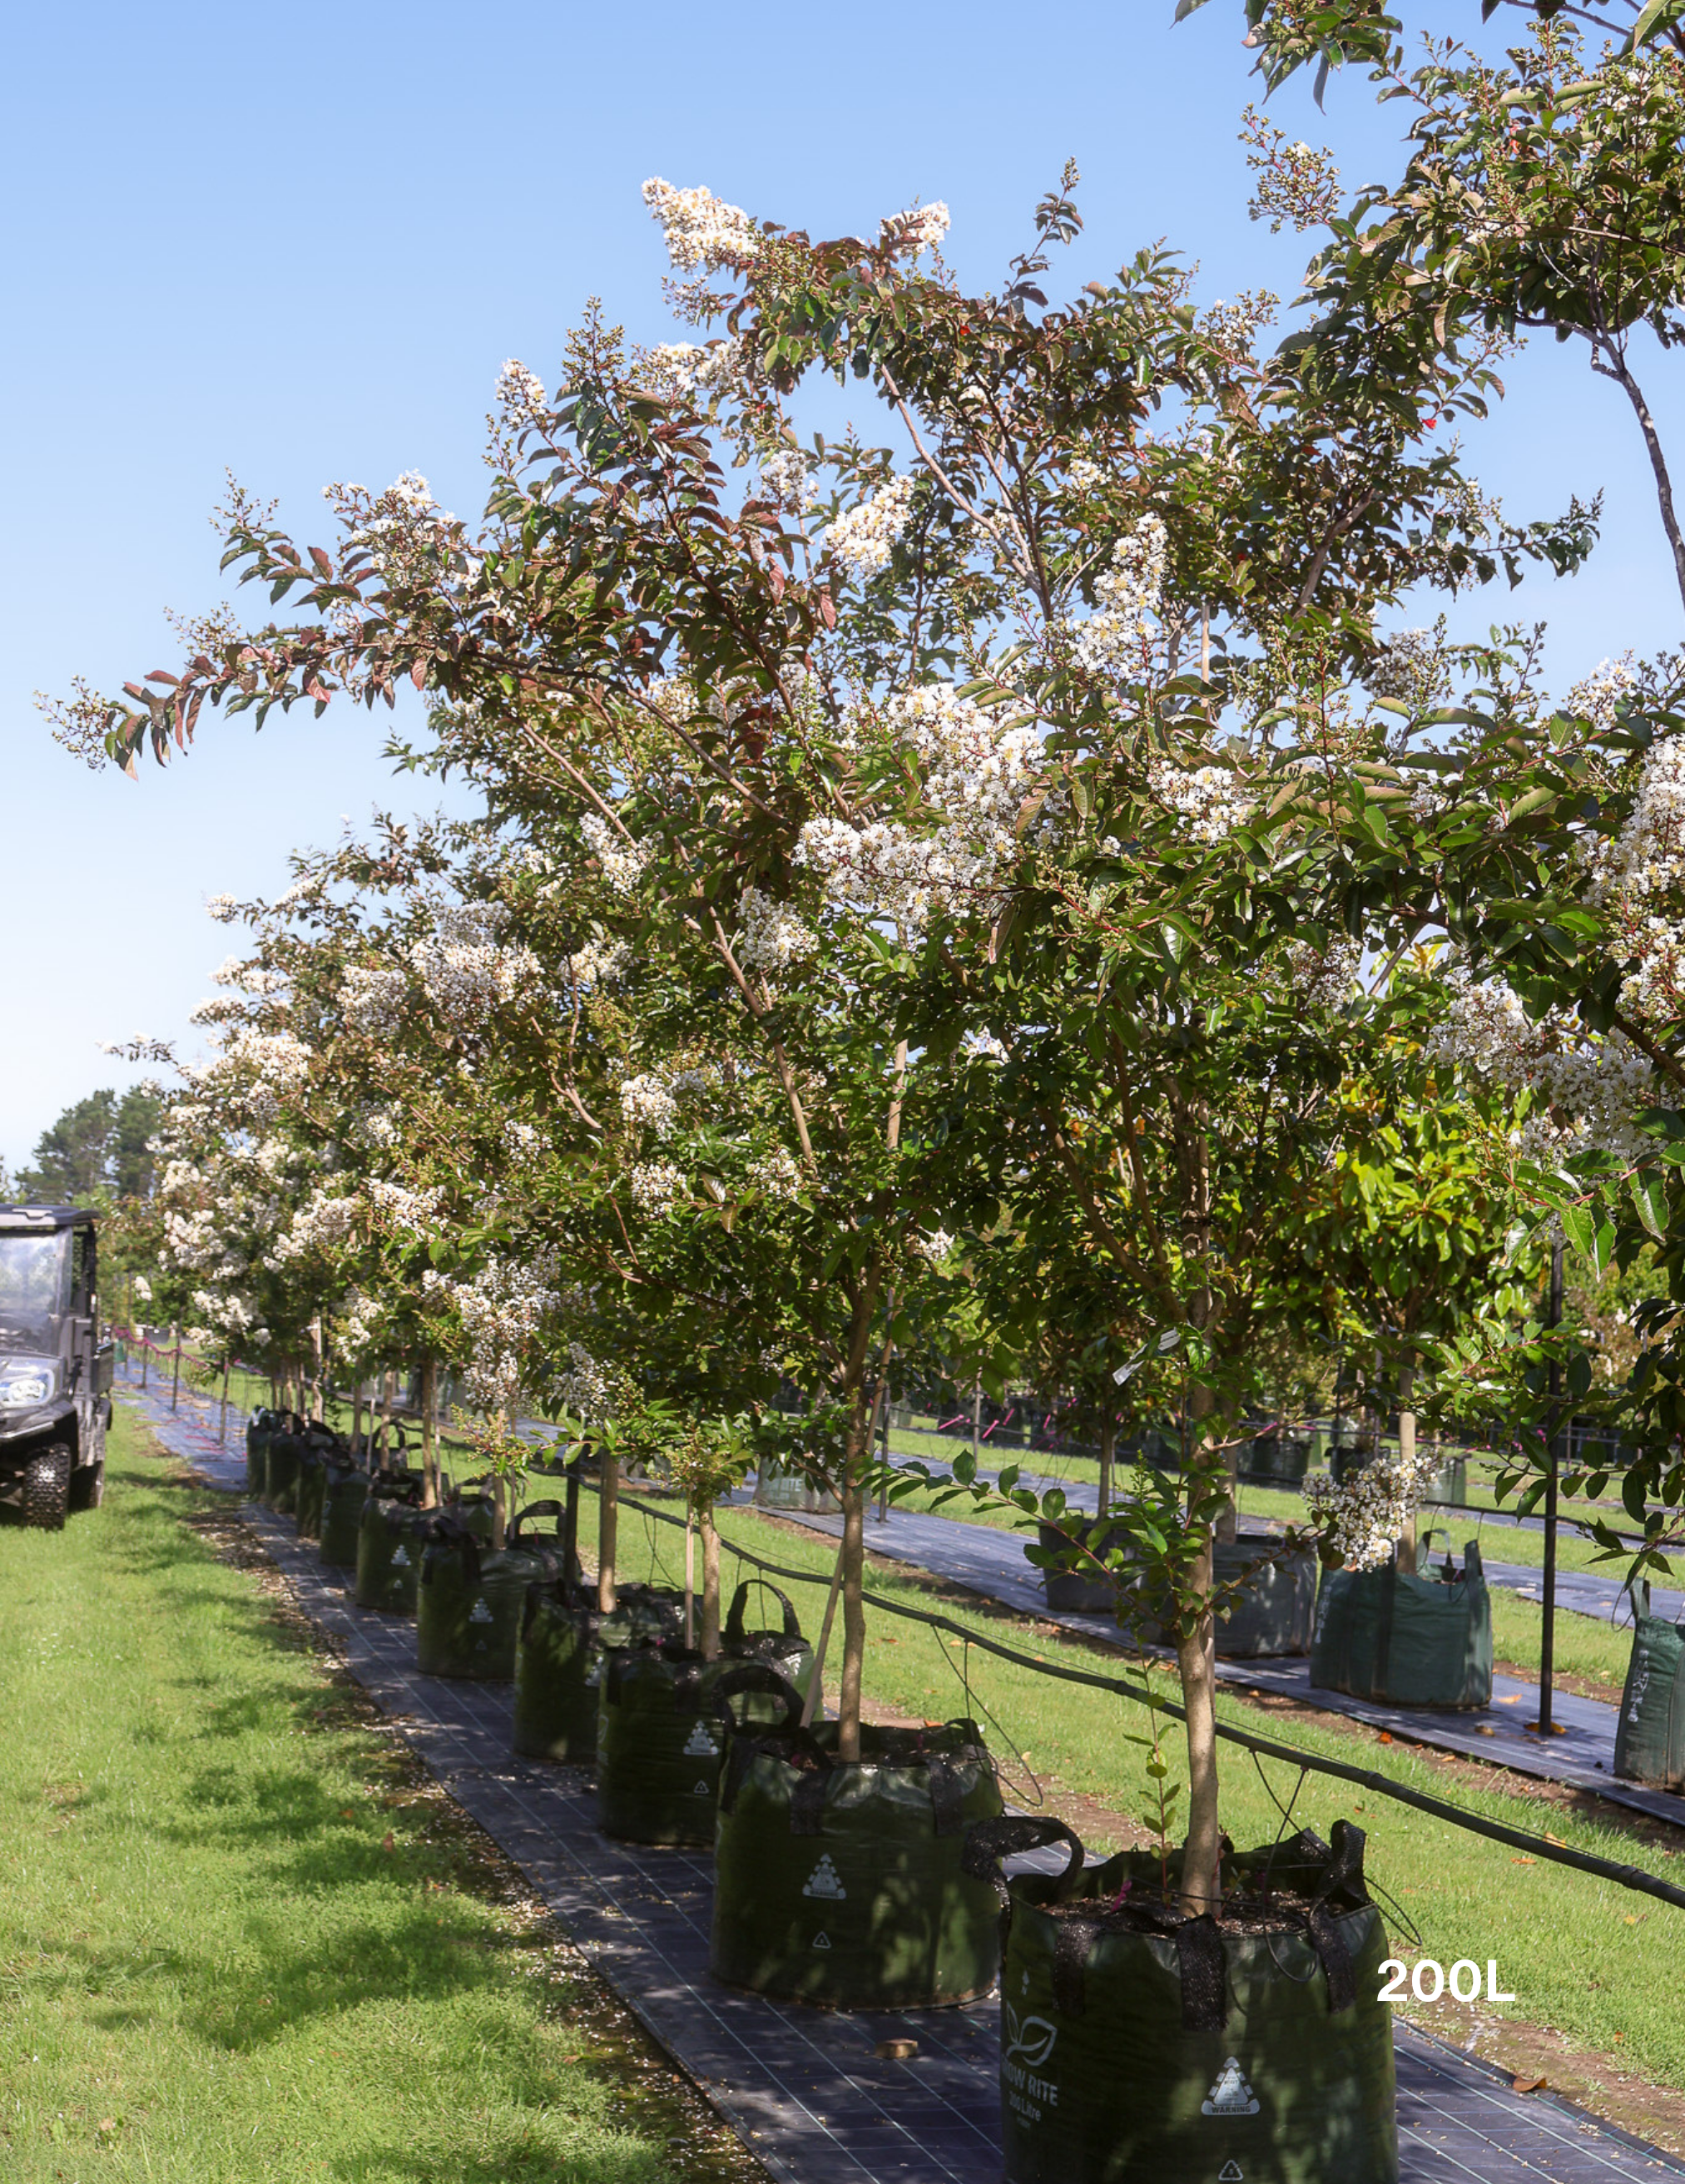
{"type": "Point", "coordinates": [241, 1936]}
{"type": "Point", "coordinates": [1586, 1957]}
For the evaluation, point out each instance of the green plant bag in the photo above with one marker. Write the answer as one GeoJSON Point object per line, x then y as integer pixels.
{"type": "Point", "coordinates": [469, 1603]}
{"type": "Point", "coordinates": [1649, 1733]}
{"type": "Point", "coordinates": [558, 1664]}
{"type": "Point", "coordinates": [841, 1883]}
{"type": "Point", "coordinates": [391, 1537]}
{"type": "Point", "coordinates": [286, 1453]}
{"type": "Point", "coordinates": [259, 1427]}
{"type": "Point", "coordinates": [661, 1740]}
{"type": "Point", "coordinates": [1148, 2049]}
{"type": "Point", "coordinates": [1411, 1642]}
{"type": "Point", "coordinates": [345, 1489]}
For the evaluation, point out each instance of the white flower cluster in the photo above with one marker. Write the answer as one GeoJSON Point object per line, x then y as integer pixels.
{"type": "Point", "coordinates": [934, 1247]}
{"type": "Point", "coordinates": [1324, 977]}
{"type": "Point", "coordinates": [223, 908]}
{"type": "Point", "coordinates": [1213, 799]}
{"type": "Point", "coordinates": [373, 999]}
{"type": "Point", "coordinates": [1590, 1086]}
{"type": "Point", "coordinates": [502, 1311]}
{"type": "Point", "coordinates": [585, 1386]}
{"type": "Point", "coordinates": [920, 227]}
{"type": "Point", "coordinates": [786, 477]}
{"type": "Point", "coordinates": [600, 963]}
{"type": "Point", "coordinates": [1235, 328]}
{"type": "Point", "coordinates": [979, 768]}
{"type": "Point", "coordinates": [1625, 877]}
{"type": "Point", "coordinates": [321, 1223]}
{"type": "Point", "coordinates": [655, 1187]}
{"type": "Point", "coordinates": [623, 862]}
{"type": "Point", "coordinates": [521, 394]}
{"type": "Point", "coordinates": [773, 936]}
{"type": "Point", "coordinates": [983, 1046]}
{"type": "Point", "coordinates": [416, 1210]}
{"type": "Point", "coordinates": [647, 1103]}
{"type": "Point", "coordinates": [863, 536]}
{"type": "Point", "coordinates": [1596, 697]}
{"type": "Point", "coordinates": [363, 1334]}
{"type": "Point", "coordinates": [465, 971]}
{"type": "Point", "coordinates": [776, 1175]}
{"type": "Point", "coordinates": [702, 233]}
{"type": "Point", "coordinates": [1116, 638]}
{"type": "Point", "coordinates": [1084, 474]}
{"type": "Point", "coordinates": [1363, 1516]}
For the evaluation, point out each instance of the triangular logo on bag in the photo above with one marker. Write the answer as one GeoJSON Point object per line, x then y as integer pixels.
{"type": "Point", "coordinates": [400, 1560]}
{"type": "Point", "coordinates": [703, 1789]}
{"type": "Point", "coordinates": [822, 1941]}
{"type": "Point", "coordinates": [1230, 2173]}
{"type": "Point", "coordinates": [479, 1613]}
{"type": "Point", "coordinates": [1231, 2095]}
{"type": "Point", "coordinates": [825, 1880]}
{"type": "Point", "coordinates": [698, 1744]}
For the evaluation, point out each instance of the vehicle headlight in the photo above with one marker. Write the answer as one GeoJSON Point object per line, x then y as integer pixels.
{"type": "Point", "coordinates": [23, 1386]}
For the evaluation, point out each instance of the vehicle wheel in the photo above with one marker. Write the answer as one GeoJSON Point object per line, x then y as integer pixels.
{"type": "Point", "coordinates": [47, 1488]}
{"type": "Point", "coordinates": [88, 1485]}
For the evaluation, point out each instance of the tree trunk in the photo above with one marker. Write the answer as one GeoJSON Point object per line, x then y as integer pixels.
{"type": "Point", "coordinates": [1196, 1666]}
{"type": "Point", "coordinates": [711, 1584]}
{"type": "Point", "coordinates": [816, 1682]}
{"type": "Point", "coordinates": [1109, 1434]}
{"type": "Point", "coordinates": [854, 1574]}
{"type": "Point", "coordinates": [608, 1525]}
{"type": "Point", "coordinates": [430, 1494]}
{"type": "Point", "coordinates": [499, 1518]}
{"type": "Point", "coordinates": [357, 1450]}
{"type": "Point", "coordinates": [690, 1579]}
{"type": "Point", "coordinates": [1407, 1456]}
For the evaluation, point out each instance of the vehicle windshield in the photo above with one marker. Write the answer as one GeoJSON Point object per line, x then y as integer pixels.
{"type": "Point", "coordinates": [33, 1274]}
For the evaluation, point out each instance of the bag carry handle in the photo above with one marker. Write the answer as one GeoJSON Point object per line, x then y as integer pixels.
{"type": "Point", "coordinates": [532, 1509]}
{"type": "Point", "coordinates": [450, 1533]}
{"type": "Point", "coordinates": [989, 1843]}
{"type": "Point", "coordinates": [757, 1676]}
{"type": "Point", "coordinates": [739, 1601]}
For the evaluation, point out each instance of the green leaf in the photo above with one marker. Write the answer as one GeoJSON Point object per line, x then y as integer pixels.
{"type": "Point", "coordinates": [1649, 1200]}
{"type": "Point", "coordinates": [1579, 1227]}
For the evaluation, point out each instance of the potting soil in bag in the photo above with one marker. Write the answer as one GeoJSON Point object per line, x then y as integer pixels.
{"type": "Point", "coordinates": [1140, 2046]}
{"type": "Point", "coordinates": [841, 1882]}
{"type": "Point", "coordinates": [1649, 1735]}
{"type": "Point", "coordinates": [1412, 1641]}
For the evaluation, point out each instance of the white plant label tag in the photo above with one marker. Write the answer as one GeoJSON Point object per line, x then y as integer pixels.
{"type": "Point", "coordinates": [1231, 2095]}
{"type": "Point", "coordinates": [699, 1744]}
{"type": "Point", "coordinates": [825, 1880]}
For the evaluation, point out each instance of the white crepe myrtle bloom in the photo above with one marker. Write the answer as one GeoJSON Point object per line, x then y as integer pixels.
{"type": "Point", "coordinates": [656, 1186]}
{"type": "Point", "coordinates": [921, 227]}
{"type": "Point", "coordinates": [647, 1103]}
{"type": "Point", "coordinates": [1366, 1514]}
{"type": "Point", "coordinates": [466, 972]}
{"type": "Point", "coordinates": [1214, 798]}
{"type": "Point", "coordinates": [1117, 637]}
{"type": "Point", "coordinates": [786, 477]}
{"type": "Point", "coordinates": [772, 936]}
{"type": "Point", "coordinates": [933, 1247]}
{"type": "Point", "coordinates": [142, 1289]}
{"type": "Point", "coordinates": [702, 233]}
{"type": "Point", "coordinates": [1324, 977]}
{"type": "Point", "coordinates": [373, 997]}
{"type": "Point", "coordinates": [776, 1175]}
{"type": "Point", "coordinates": [983, 1046]}
{"type": "Point", "coordinates": [521, 394]}
{"type": "Point", "coordinates": [224, 908]}
{"type": "Point", "coordinates": [416, 1210]}
{"type": "Point", "coordinates": [863, 536]}
{"type": "Point", "coordinates": [584, 1385]}
{"type": "Point", "coordinates": [623, 862]}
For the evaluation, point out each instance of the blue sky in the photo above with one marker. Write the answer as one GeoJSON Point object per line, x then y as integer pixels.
{"type": "Point", "coordinates": [298, 244]}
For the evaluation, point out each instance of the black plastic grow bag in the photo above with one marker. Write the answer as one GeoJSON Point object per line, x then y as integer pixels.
{"type": "Point", "coordinates": [1649, 1732]}
{"type": "Point", "coordinates": [281, 1460]}
{"type": "Point", "coordinates": [1275, 1612]}
{"type": "Point", "coordinates": [468, 1606]}
{"type": "Point", "coordinates": [391, 1533]}
{"type": "Point", "coordinates": [1414, 1641]}
{"type": "Point", "coordinates": [841, 1882]}
{"type": "Point", "coordinates": [259, 1427]}
{"type": "Point", "coordinates": [1139, 2046]}
{"type": "Point", "coordinates": [558, 1664]}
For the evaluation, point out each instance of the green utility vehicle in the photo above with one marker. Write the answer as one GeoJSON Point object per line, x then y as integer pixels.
{"type": "Point", "coordinates": [55, 1372]}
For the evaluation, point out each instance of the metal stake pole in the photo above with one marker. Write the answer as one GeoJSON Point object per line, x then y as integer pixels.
{"type": "Point", "coordinates": [176, 1389]}
{"type": "Point", "coordinates": [1547, 1628]}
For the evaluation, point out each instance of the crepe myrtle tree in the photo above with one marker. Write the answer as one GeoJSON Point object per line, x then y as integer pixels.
{"type": "Point", "coordinates": [1037, 732]}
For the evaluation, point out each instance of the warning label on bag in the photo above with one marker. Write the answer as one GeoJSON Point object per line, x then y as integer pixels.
{"type": "Point", "coordinates": [699, 1745]}
{"type": "Point", "coordinates": [400, 1560]}
{"type": "Point", "coordinates": [825, 1880]}
{"type": "Point", "coordinates": [1232, 2096]}
{"type": "Point", "coordinates": [479, 1613]}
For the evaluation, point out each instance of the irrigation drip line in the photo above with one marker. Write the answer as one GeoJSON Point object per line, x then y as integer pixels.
{"type": "Point", "coordinates": [1365, 1778]}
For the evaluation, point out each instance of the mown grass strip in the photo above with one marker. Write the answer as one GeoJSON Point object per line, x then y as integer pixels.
{"type": "Point", "coordinates": [240, 1936]}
